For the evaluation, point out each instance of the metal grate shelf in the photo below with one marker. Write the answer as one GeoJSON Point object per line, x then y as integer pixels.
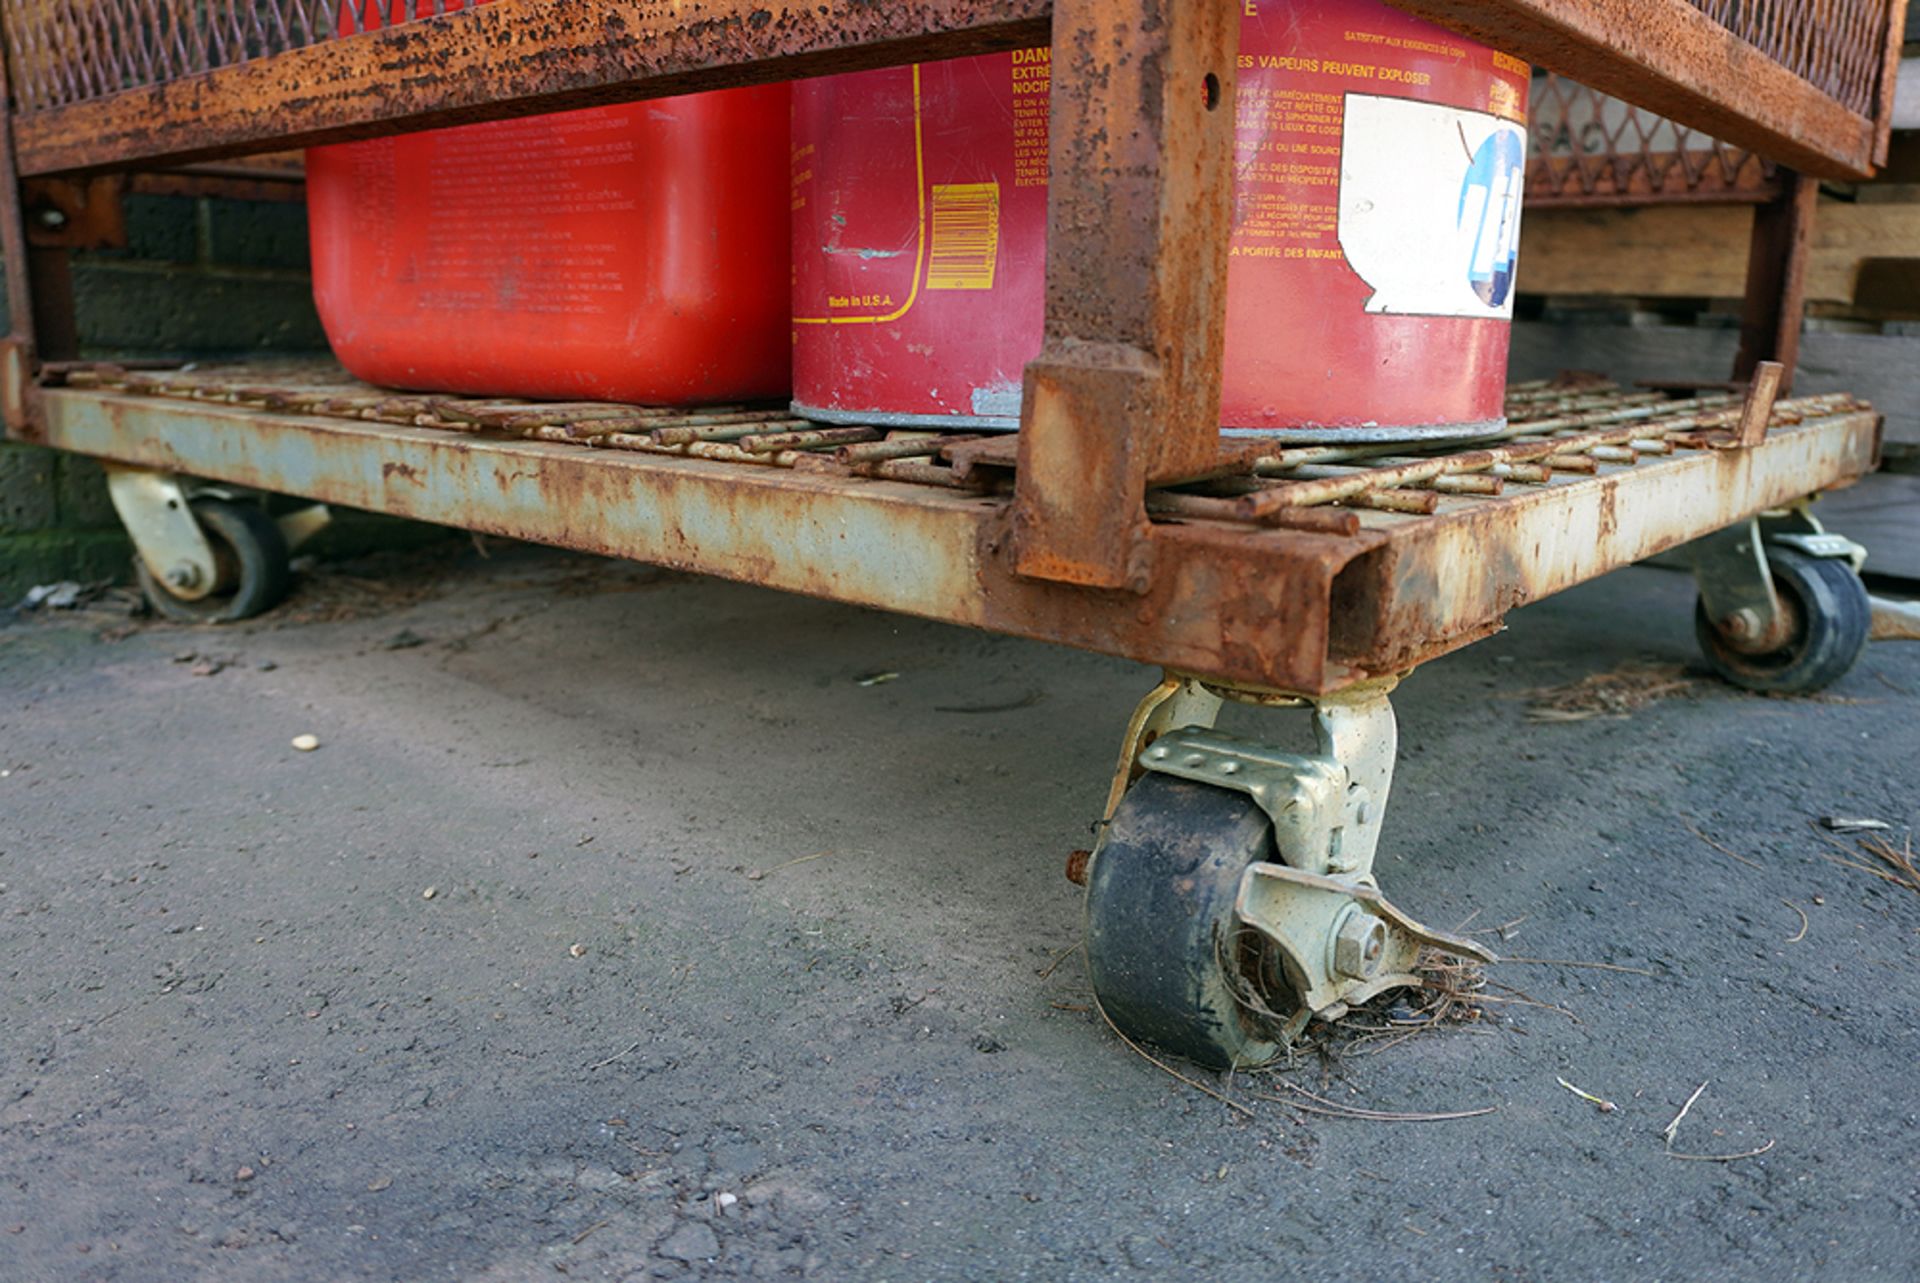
{"type": "Point", "coordinates": [1557, 430]}
{"type": "Point", "coordinates": [1301, 569]}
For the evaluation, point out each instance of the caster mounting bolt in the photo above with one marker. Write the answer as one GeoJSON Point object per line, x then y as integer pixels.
{"type": "Point", "coordinates": [1358, 945]}
{"type": "Point", "coordinates": [183, 574]}
{"type": "Point", "coordinates": [1077, 862]}
{"type": "Point", "coordinates": [1742, 625]}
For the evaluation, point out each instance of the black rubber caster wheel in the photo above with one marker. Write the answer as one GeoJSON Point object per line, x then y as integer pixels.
{"type": "Point", "coordinates": [1171, 964]}
{"type": "Point", "coordinates": [1828, 608]}
{"type": "Point", "coordinates": [250, 559]}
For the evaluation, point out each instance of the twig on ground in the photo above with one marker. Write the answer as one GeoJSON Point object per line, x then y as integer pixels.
{"type": "Point", "coordinates": [1726, 851]}
{"type": "Point", "coordinates": [1805, 924]}
{"type": "Point", "coordinates": [1523, 999]}
{"type": "Point", "coordinates": [1334, 1108]}
{"type": "Point", "coordinates": [1061, 957]}
{"type": "Point", "coordinates": [1674, 1126]}
{"type": "Point", "coordinates": [758, 874]}
{"type": "Point", "coordinates": [1722, 1158]}
{"type": "Point", "coordinates": [1574, 962]}
{"type": "Point", "coordinates": [1901, 861]}
{"type": "Point", "coordinates": [615, 1056]}
{"type": "Point", "coordinates": [1619, 693]}
{"type": "Point", "coordinates": [1905, 873]}
{"type": "Point", "coordinates": [581, 1237]}
{"type": "Point", "coordinates": [1604, 1105]}
{"type": "Point", "coordinates": [1165, 1068]}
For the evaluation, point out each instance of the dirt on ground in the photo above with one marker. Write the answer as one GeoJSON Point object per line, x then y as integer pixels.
{"type": "Point", "coordinates": [624, 925]}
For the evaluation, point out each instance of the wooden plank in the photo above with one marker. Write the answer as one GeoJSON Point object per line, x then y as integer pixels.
{"type": "Point", "coordinates": [1700, 251]}
{"type": "Point", "coordinates": [508, 58]}
{"type": "Point", "coordinates": [1889, 285]}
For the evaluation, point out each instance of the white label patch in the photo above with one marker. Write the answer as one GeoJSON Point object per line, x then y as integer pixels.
{"type": "Point", "coordinates": [1430, 206]}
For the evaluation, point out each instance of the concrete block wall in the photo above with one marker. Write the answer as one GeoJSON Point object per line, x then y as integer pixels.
{"type": "Point", "coordinates": [198, 277]}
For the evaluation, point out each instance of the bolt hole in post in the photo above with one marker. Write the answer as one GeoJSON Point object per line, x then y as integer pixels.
{"type": "Point", "coordinates": [1212, 87]}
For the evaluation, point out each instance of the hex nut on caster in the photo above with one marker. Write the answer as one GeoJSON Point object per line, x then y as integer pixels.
{"type": "Point", "coordinates": [1359, 945]}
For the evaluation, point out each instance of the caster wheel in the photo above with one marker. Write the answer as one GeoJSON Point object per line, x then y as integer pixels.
{"type": "Point", "coordinates": [1827, 605]}
{"type": "Point", "coordinates": [250, 558]}
{"type": "Point", "coordinates": [1171, 964]}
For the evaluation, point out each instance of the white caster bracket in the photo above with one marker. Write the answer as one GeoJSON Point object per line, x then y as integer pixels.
{"type": "Point", "coordinates": [1344, 942]}
{"type": "Point", "coordinates": [1341, 940]}
{"type": "Point", "coordinates": [155, 509]}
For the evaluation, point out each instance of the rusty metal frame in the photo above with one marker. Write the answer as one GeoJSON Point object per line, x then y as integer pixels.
{"type": "Point", "coordinates": [1776, 297]}
{"type": "Point", "coordinates": [1126, 388]}
{"type": "Point", "coordinates": [515, 57]}
{"type": "Point", "coordinates": [1125, 392]}
{"type": "Point", "coordinates": [508, 58]}
{"type": "Point", "coordinates": [13, 252]}
{"type": "Point", "coordinates": [1232, 597]}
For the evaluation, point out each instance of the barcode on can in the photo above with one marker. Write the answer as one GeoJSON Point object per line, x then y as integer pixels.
{"type": "Point", "coordinates": [966, 236]}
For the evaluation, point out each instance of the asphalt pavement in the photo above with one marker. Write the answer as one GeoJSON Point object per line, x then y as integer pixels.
{"type": "Point", "coordinates": [625, 925]}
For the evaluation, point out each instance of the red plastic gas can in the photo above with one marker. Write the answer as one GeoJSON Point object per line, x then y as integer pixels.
{"type": "Point", "coordinates": [1378, 166]}
{"type": "Point", "coordinates": [628, 253]}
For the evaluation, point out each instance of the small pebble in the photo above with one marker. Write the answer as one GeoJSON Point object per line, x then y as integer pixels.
{"type": "Point", "coordinates": [266, 666]}
{"type": "Point", "coordinates": [429, 893]}
{"type": "Point", "coordinates": [306, 743]}
{"type": "Point", "coordinates": [578, 951]}
{"type": "Point", "coordinates": [244, 1174]}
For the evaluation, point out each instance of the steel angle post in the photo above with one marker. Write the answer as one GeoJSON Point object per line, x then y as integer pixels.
{"type": "Point", "coordinates": [1126, 389]}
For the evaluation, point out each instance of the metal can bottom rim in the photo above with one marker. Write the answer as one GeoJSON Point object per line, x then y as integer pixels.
{"type": "Point", "coordinates": [1412, 433]}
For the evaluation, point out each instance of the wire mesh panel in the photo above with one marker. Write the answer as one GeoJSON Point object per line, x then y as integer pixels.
{"type": "Point", "coordinates": [1589, 148]}
{"type": "Point", "coordinates": [66, 51]}
{"type": "Point", "coordinates": [1834, 45]}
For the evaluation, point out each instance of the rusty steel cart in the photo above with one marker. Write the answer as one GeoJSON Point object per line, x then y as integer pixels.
{"type": "Point", "coordinates": [1231, 896]}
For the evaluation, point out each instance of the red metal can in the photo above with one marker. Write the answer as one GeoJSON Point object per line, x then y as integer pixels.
{"type": "Point", "coordinates": [628, 253]}
{"type": "Point", "coordinates": [1378, 167]}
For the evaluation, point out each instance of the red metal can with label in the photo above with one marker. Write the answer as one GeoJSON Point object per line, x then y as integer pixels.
{"type": "Point", "coordinates": [626, 253]}
{"type": "Point", "coordinates": [1378, 167]}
